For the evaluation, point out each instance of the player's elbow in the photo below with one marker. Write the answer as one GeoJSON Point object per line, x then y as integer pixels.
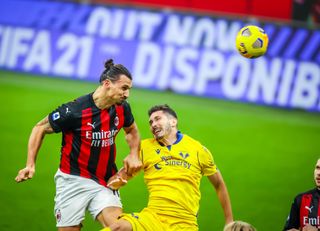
{"type": "Point", "coordinates": [39, 130]}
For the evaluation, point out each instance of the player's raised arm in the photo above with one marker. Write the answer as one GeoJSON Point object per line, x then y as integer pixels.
{"type": "Point", "coordinates": [35, 140]}
{"type": "Point", "coordinates": [132, 163]}
{"type": "Point", "coordinates": [223, 195]}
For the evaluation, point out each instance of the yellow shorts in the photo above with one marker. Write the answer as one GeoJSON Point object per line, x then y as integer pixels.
{"type": "Point", "coordinates": [149, 220]}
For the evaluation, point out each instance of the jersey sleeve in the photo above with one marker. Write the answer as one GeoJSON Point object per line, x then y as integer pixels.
{"type": "Point", "coordinates": [208, 167]}
{"type": "Point", "coordinates": [141, 154]}
{"type": "Point", "coordinates": [143, 145]}
{"type": "Point", "coordinates": [128, 117]}
{"type": "Point", "coordinates": [293, 218]}
{"type": "Point", "coordinates": [61, 118]}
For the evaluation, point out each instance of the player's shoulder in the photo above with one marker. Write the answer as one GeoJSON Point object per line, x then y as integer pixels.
{"type": "Point", "coordinates": [80, 103]}
{"type": "Point", "coordinates": [84, 99]}
{"type": "Point", "coordinates": [310, 192]}
{"type": "Point", "coordinates": [191, 141]}
{"type": "Point", "coordinates": [195, 144]}
{"type": "Point", "coordinates": [148, 142]}
{"type": "Point", "coordinates": [126, 107]}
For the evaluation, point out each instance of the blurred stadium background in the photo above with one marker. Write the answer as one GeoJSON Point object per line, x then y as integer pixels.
{"type": "Point", "coordinates": [260, 118]}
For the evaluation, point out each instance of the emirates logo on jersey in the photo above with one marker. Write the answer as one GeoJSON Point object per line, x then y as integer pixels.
{"type": "Point", "coordinates": [314, 221]}
{"type": "Point", "coordinates": [101, 138]}
{"type": "Point", "coordinates": [116, 121]}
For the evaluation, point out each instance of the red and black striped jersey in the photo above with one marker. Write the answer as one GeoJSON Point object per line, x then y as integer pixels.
{"type": "Point", "coordinates": [88, 141]}
{"type": "Point", "coordinates": [305, 210]}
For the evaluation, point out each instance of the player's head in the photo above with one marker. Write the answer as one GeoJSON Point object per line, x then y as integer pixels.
{"type": "Point", "coordinates": [317, 173]}
{"type": "Point", "coordinates": [117, 81]}
{"type": "Point", "coordinates": [239, 226]}
{"type": "Point", "coordinates": [114, 71]}
{"type": "Point", "coordinates": [163, 121]}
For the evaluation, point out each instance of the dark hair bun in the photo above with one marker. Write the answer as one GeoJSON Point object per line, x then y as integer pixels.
{"type": "Point", "coordinates": [108, 64]}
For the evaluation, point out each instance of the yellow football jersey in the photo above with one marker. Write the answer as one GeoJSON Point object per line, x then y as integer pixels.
{"type": "Point", "coordinates": [172, 175]}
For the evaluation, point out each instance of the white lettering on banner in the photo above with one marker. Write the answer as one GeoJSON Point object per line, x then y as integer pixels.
{"type": "Point", "coordinates": [210, 68]}
{"type": "Point", "coordinates": [184, 82]}
{"type": "Point", "coordinates": [166, 66]}
{"type": "Point", "coordinates": [189, 70]}
{"type": "Point", "coordinates": [265, 80]}
{"type": "Point", "coordinates": [85, 47]}
{"type": "Point", "coordinates": [33, 49]}
{"type": "Point", "coordinates": [154, 66]}
{"type": "Point", "coordinates": [226, 34]}
{"type": "Point", "coordinates": [105, 23]}
{"type": "Point", "coordinates": [149, 22]}
{"type": "Point", "coordinates": [286, 81]}
{"type": "Point", "coordinates": [71, 45]}
{"type": "Point", "coordinates": [131, 27]}
{"type": "Point", "coordinates": [146, 65]}
{"type": "Point", "coordinates": [204, 29]}
{"type": "Point", "coordinates": [182, 31]}
{"type": "Point", "coordinates": [39, 54]}
{"type": "Point", "coordinates": [64, 65]}
{"type": "Point", "coordinates": [306, 90]}
{"type": "Point", "coordinates": [236, 77]}
{"type": "Point", "coordinates": [178, 30]}
{"type": "Point", "coordinates": [5, 35]}
{"type": "Point", "coordinates": [18, 45]}
{"type": "Point", "coordinates": [118, 23]}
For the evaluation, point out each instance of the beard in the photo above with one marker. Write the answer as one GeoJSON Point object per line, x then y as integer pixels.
{"type": "Point", "coordinates": [120, 101]}
{"type": "Point", "coordinates": [165, 131]}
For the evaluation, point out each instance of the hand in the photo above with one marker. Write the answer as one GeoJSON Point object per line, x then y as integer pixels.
{"type": "Point", "coordinates": [132, 165]}
{"type": "Point", "coordinates": [115, 182]}
{"type": "Point", "coordinates": [309, 228]}
{"type": "Point", "coordinates": [25, 174]}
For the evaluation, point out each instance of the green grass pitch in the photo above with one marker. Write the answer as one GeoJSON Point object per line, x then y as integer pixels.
{"type": "Point", "coordinates": [266, 155]}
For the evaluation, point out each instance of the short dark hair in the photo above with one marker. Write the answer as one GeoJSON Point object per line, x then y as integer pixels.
{"type": "Point", "coordinates": [165, 108]}
{"type": "Point", "coordinates": [113, 71]}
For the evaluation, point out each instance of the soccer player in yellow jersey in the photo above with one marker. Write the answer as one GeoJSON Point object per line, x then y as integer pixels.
{"type": "Point", "coordinates": [173, 165]}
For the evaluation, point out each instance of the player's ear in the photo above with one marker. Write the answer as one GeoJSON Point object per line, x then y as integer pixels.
{"type": "Point", "coordinates": [174, 122]}
{"type": "Point", "coordinates": [106, 83]}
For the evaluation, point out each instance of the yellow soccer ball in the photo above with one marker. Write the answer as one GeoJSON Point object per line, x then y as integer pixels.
{"type": "Point", "coordinates": [252, 42]}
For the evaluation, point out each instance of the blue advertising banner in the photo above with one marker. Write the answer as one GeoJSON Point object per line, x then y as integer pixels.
{"type": "Point", "coordinates": [187, 54]}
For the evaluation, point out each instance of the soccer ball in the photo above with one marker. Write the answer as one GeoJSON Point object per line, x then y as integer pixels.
{"type": "Point", "coordinates": [252, 42]}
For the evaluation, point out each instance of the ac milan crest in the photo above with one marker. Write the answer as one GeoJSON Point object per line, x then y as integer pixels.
{"type": "Point", "coordinates": [116, 121]}
{"type": "Point", "coordinates": [58, 215]}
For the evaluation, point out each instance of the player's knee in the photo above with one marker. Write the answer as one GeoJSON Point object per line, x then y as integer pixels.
{"type": "Point", "coordinates": [121, 225]}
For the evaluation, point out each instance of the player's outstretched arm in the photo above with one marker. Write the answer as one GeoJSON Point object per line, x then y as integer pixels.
{"type": "Point", "coordinates": [34, 144]}
{"type": "Point", "coordinates": [132, 163]}
{"type": "Point", "coordinates": [223, 195]}
{"type": "Point", "coordinates": [119, 179]}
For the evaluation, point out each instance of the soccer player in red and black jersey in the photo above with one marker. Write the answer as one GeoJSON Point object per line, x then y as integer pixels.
{"type": "Point", "coordinates": [305, 209]}
{"type": "Point", "coordinates": [89, 126]}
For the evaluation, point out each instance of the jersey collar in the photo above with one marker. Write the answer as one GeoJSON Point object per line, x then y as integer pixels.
{"type": "Point", "coordinates": [179, 138]}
